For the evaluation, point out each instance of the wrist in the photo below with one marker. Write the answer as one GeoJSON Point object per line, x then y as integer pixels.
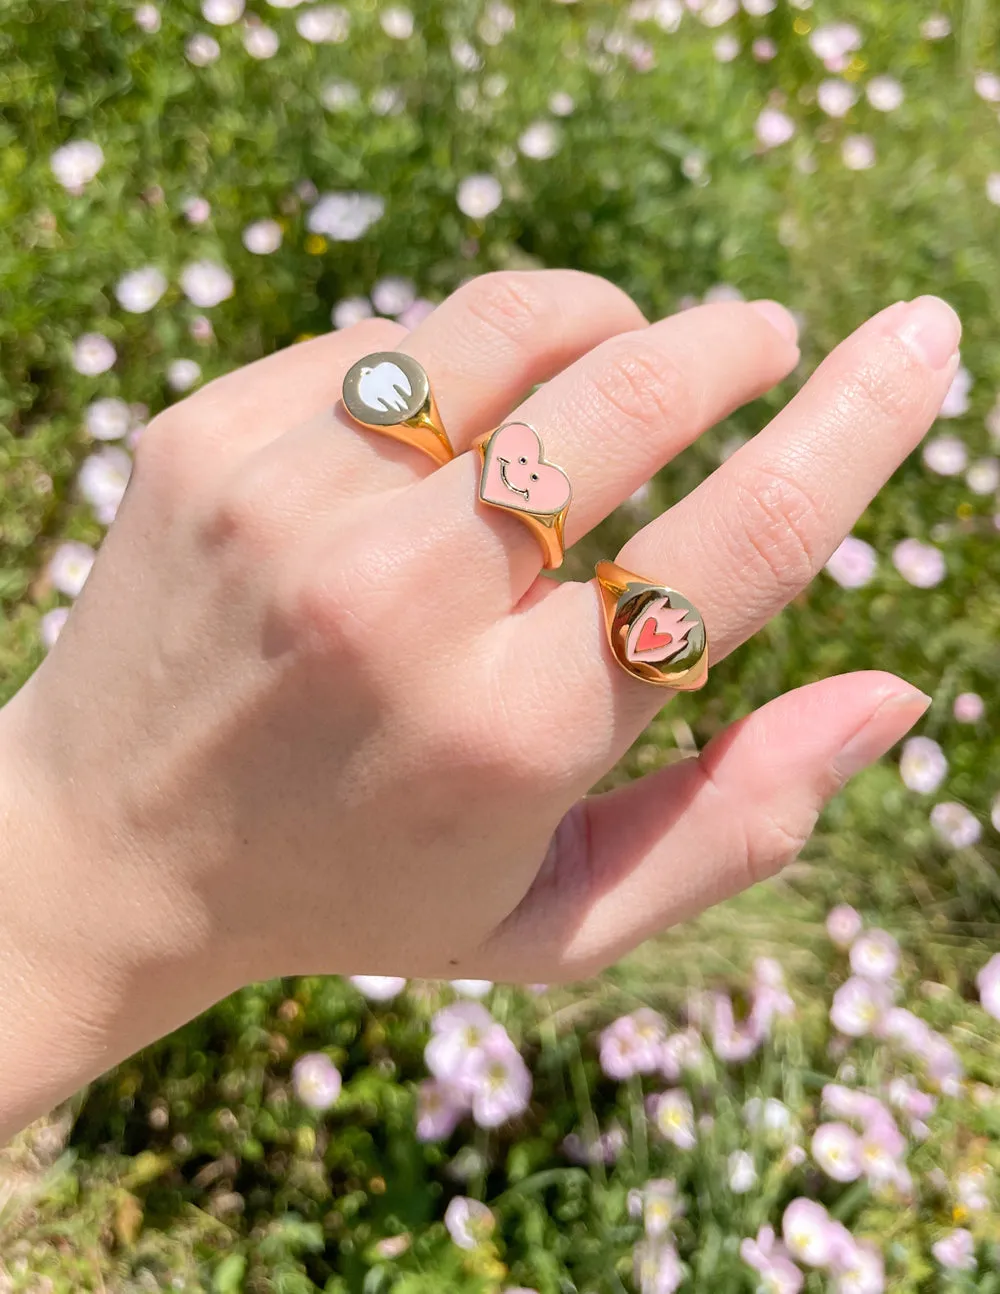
{"type": "Point", "coordinates": [99, 955]}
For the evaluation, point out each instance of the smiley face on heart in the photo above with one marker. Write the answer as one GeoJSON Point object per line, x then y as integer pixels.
{"type": "Point", "coordinates": [659, 634]}
{"type": "Point", "coordinates": [515, 475]}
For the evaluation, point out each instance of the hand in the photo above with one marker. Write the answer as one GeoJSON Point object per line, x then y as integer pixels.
{"type": "Point", "coordinates": [315, 711]}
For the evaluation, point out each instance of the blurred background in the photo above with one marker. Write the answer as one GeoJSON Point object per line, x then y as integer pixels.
{"type": "Point", "coordinates": [186, 187]}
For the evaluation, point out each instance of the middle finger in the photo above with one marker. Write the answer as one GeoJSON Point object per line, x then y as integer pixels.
{"type": "Point", "coordinates": [609, 421]}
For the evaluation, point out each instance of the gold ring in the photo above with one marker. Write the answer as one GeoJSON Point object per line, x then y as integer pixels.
{"type": "Point", "coordinates": [655, 633]}
{"type": "Point", "coordinates": [516, 477]}
{"type": "Point", "coordinates": [390, 392]}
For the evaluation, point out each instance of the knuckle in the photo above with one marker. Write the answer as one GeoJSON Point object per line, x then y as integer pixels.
{"type": "Point", "coordinates": [374, 334]}
{"type": "Point", "coordinates": [640, 384]}
{"type": "Point", "coordinates": [509, 304]}
{"type": "Point", "coordinates": [601, 296]}
{"type": "Point", "coordinates": [763, 839]}
{"type": "Point", "coordinates": [166, 459]}
{"type": "Point", "coordinates": [527, 759]}
{"type": "Point", "coordinates": [775, 839]}
{"type": "Point", "coordinates": [778, 518]}
{"type": "Point", "coordinates": [516, 746]}
{"type": "Point", "coordinates": [159, 443]}
{"type": "Point", "coordinates": [239, 516]}
{"type": "Point", "coordinates": [334, 609]}
{"type": "Point", "coordinates": [512, 753]}
{"type": "Point", "coordinates": [319, 621]}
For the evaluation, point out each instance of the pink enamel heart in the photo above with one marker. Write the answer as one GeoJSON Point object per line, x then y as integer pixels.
{"type": "Point", "coordinates": [660, 634]}
{"type": "Point", "coordinates": [516, 475]}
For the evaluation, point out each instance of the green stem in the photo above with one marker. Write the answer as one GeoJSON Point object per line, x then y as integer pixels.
{"type": "Point", "coordinates": [588, 1119]}
{"type": "Point", "coordinates": [637, 1112]}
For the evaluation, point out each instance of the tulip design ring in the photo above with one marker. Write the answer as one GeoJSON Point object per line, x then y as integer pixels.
{"type": "Point", "coordinates": [655, 633]}
{"type": "Point", "coordinates": [516, 477]}
{"type": "Point", "coordinates": [390, 392]}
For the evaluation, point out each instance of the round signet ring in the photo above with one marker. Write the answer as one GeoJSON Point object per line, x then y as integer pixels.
{"type": "Point", "coordinates": [516, 477]}
{"type": "Point", "coordinates": [655, 633]}
{"type": "Point", "coordinates": [390, 392]}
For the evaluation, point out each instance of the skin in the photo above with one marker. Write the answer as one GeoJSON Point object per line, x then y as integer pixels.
{"type": "Point", "coordinates": [315, 711]}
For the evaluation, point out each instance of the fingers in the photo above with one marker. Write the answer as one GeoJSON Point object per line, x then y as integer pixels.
{"type": "Point", "coordinates": [610, 420]}
{"type": "Point", "coordinates": [499, 335]}
{"type": "Point", "coordinates": [629, 863]}
{"type": "Point", "coordinates": [752, 535]}
{"type": "Point", "coordinates": [482, 348]}
{"type": "Point", "coordinates": [613, 419]}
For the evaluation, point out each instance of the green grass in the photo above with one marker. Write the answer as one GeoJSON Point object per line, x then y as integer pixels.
{"type": "Point", "coordinates": [131, 1205]}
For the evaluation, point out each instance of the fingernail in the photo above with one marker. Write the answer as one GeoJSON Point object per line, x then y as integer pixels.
{"type": "Point", "coordinates": [931, 329]}
{"type": "Point", "coordinates": [779, 318]}
{"type": "Point", "coordinates": [892, 720]}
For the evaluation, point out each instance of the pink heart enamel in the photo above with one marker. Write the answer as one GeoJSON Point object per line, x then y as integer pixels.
{"type": "Point", "coordinates": [516, 475]}
{"type": "Point", "coordinates": [660, 634]}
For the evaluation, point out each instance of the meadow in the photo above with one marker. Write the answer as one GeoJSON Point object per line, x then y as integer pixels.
{"type": "Point", "coordinates": [799, 1091]}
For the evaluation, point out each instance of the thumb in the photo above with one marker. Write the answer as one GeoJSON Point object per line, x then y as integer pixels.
{"type": "Point", "coordinates": [628, 863]}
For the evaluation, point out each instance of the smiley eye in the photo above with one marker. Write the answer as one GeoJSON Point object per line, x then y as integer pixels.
{"type": "Point", "coordinates": [534, 476]}
{"type": "Point", "coordinates": [522, 461]}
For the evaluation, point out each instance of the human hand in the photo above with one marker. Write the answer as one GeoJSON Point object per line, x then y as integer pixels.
{"type": "Point", "coordinates": [316, 712]}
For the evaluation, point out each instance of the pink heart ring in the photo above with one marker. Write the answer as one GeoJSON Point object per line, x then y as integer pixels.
{"type": "Point", "coordinates": [517, 478]}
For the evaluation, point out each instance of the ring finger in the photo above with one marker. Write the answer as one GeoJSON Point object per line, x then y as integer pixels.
{"type": "Point", "coordinates": [609, 421]}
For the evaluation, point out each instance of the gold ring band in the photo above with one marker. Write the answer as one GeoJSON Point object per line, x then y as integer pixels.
{"type": "Point", "coordinates": [655, 633]}
{"type": "Point", "coordinates": [516, 477]}
{"type": "Point", "coordinates": [391, 393]}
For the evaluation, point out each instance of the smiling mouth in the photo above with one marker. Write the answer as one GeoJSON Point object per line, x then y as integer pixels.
{"type": "Point", "coordinates": [504, 464]}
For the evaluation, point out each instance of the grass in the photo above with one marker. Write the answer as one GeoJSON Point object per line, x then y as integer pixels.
{"type": "Point", "coordinates": [658, 184]}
